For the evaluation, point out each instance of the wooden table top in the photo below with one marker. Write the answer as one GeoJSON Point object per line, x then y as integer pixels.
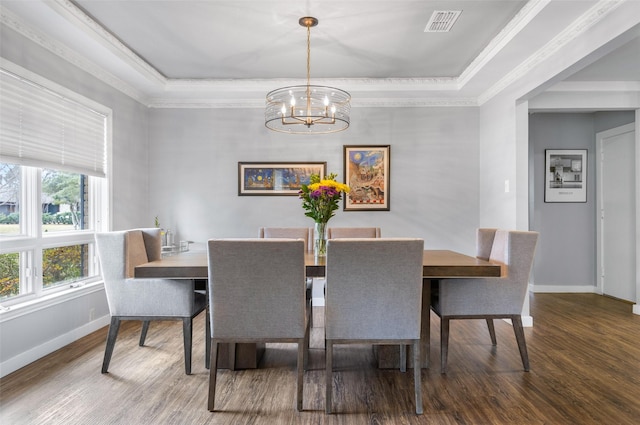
{"type": "Point", "coordinates": [435, 264]}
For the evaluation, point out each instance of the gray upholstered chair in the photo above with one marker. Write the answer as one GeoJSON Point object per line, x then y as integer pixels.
{"type": "Point", "coordinates": [489, 298]}
{"type": "Point", "coordinates": [257, 294]}
{"type": "Point", "coordinates": [353, 232]}
{"type": "Point", "coordinates": [389, 272]}
{"type": "Point", "coordinates": [305, 233]}
{"type": "Point", "coordinates": [143, 299]}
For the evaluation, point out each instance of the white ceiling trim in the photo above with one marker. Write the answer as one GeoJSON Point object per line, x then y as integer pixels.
{"type": "Point", "coordinates": [192, 91]}
{"type": "Point", "coordinates": [81, 20]}
{"type": "Point", "coordinates": [595, 86]}
{"type": "Point", "coordinates": [162, 103]}
{"type": "Point", "coordinates": [586, 21]}
{"type": "Point", "coordinates": [517, 24]}
{"type": "Point", "coordinates": [12, 21]}
{"type": "Point", "coordinates": [356, 84]}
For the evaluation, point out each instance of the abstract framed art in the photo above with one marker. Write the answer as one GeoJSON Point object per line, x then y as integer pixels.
{"type": "Point", "coordinates": [366, 172]}
{"type": "Point", "coordinates": [276, 178]}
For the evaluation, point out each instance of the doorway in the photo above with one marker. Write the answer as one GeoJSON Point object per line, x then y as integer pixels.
{"type": "Point", "coordinates": [616, 203]}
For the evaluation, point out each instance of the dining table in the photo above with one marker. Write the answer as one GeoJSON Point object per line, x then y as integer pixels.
{"type": "Point", "coordinates": [436, 264]}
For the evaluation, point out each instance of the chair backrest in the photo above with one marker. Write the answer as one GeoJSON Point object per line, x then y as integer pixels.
{"type": "Point", "coordinates": [493, 295]}
{"type": "Point", "coordinates": [256, 288]}
{"type": "Point", "coordinates": [119, 252]}
{"type": "Point", "coordinates": [484, 242]}
{"type": "Point", "coordinates": [305, 233]}
{"type": "Point", "coordinates": [353, 232]}
{"type": "Point", "coordinates": [515, 249]}
{"type": "Point", "coordinates": [374, 288]}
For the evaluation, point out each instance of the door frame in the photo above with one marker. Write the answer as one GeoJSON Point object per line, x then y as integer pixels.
{"type": "Point", "coordinates": [599, 138]}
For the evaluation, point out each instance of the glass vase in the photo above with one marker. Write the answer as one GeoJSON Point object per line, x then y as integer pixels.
{"type": "Point", "coordinates": [320, 240]}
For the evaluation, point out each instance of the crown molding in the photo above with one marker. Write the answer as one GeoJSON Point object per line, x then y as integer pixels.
{"type": "Point", "coordinates": [529, 11]}
{"type": "Point", "coordinates": [385, 92]}
{"type": "Point", "coordinates": [161, 103]}
{"type": "Point", "coordinates": [595, 86]}
{"type": "Point", "coordinates": [578, 27]}
{"type": "Point", "coordinates": [12, 21]}
{"type": "Point", "coordinates": [88, 25]}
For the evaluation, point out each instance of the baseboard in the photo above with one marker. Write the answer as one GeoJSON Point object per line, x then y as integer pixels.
{"type": "Point", "coordinates": [540, 289]}
{"type": "Point", "coordinates": [29, 356]}
{"type": "Point", "coordinates": [636, 309]}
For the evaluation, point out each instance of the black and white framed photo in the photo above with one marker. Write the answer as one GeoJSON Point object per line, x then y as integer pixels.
{"type": "Point", "coordinates": [565, 175]}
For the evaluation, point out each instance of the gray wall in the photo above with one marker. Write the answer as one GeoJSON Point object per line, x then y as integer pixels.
{"type": "Point", "coordinates": [194, 157]}
{"type": "Point", "coordinates": [566, 254]}
{"type": "Point", "coordinates": [29, 333]}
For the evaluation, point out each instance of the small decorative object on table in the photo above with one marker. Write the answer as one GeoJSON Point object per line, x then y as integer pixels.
{"type": "Point", "coordinates": [320, 200]}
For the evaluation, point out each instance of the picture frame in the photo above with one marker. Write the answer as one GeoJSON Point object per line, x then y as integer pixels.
{"type": "Point", "coordinates": [565, 175]}
{"type": "Point", "coordinates": [367, 173]}
{"type": "Point", "coordinates": [276, 178]}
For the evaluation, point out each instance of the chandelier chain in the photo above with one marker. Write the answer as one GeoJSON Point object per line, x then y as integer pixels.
{"type": "Point", "coordinates": [308, 69]}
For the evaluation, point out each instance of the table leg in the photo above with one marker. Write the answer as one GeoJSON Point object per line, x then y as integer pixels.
{"type": "Point", "coordinates": [425, 331]}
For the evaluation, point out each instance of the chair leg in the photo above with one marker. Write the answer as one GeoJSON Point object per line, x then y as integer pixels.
{"type": "Point", "coordinates": [417, 377]}
{"type": "Point", "coordinates": [403, 358]}
{"type": "Point", "coordinates": [310, 298]}
{"type": "Point", "coordinates": [232, 356]}
{"type": "Point", "coordinates": [111, 343]}
{"type": "Point", "coordinates": [301, 358]}
{"type": "Point", "coordinates": [143, 333]}
{"type": "Point", "coordinates": [187, 331]}
{"type": "Point", "coordinates": [444, 343]}
{"type": "Point", "coordinates": [492, 331]}
{"type": "Point", "coordinates": [522, 344]}
{"type": "Point", "coordinates": [329, 375]}
{"type": "Point", "coordinates": [213, 371]}
{"type": "Point", "coordinates": [307, 336]}
{"type": "Point", "coordinates": [207, 339]}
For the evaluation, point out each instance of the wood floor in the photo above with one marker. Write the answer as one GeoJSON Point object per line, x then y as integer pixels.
{"type": "Point", "coordinates": [585, 369]}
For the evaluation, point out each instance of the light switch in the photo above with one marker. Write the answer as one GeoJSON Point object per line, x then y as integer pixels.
{"type": "Point", "coordinates": [506, 186]}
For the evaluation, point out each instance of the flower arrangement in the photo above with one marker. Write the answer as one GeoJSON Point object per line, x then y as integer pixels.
{"type": "Point", "coordinates": [320, 197]}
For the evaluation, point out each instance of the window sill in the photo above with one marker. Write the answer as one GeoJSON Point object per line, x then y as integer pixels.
{"type": "Point", "coordinates": [20, 309]}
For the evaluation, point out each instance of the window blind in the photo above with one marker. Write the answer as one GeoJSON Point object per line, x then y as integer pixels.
{"type": "Point", "coordinates": [41, 128]}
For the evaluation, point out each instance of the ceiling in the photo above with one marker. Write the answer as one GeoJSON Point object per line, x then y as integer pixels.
{"type": "Point", "coordinates": [232, 52]}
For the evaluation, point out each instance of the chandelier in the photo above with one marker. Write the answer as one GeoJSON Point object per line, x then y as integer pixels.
{"type": "Point", "coordinates": [307, 109]}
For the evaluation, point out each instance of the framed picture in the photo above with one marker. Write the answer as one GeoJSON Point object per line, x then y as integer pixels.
{"type": "Point", "coordinates": [565, 175]}
{"type": "Point", "coordinates": [366, 172]}
{"type": "Point", "coordinates": [276, 178]}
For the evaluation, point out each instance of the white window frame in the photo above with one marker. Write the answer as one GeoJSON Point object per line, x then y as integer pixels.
{"type": "Point", "coordinates": [32, 241]}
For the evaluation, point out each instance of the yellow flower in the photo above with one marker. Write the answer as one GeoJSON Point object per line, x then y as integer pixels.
{"type": "Point", "coordinates": [340, 187]}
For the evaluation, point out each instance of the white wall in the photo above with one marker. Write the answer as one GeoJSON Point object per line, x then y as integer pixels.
{"type": "Point", "coordinates": [194, 157]}
{"type": "Point", "coordinates": [32, 332]}
{"type": "Point", "coordinates": [503, 121]}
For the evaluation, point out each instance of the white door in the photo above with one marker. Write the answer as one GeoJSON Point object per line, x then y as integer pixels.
{"type": "Point", "coordinates": [616, 203]}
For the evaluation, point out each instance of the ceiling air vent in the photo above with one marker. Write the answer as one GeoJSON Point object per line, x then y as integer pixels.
{"type": "Point", "coordinates": [442, 20]}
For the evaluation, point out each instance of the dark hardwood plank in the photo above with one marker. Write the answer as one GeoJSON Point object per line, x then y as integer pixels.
{"type": "Point", "coordinates": [585, 369]}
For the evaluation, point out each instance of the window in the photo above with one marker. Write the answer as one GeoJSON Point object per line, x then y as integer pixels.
{"type": "Point", "coordinates": [49, 244]}
{"type": "Point", "coordinates": [53, 186]}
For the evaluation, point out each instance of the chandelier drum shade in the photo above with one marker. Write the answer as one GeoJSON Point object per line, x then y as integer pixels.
{"type": "Point", "coordinates": [308, 109]}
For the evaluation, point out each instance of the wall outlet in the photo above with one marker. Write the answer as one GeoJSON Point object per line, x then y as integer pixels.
{"type": "Point", "coordinates": [506, 186]}
{"type": "Point", "coordinates": [92, 314]}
